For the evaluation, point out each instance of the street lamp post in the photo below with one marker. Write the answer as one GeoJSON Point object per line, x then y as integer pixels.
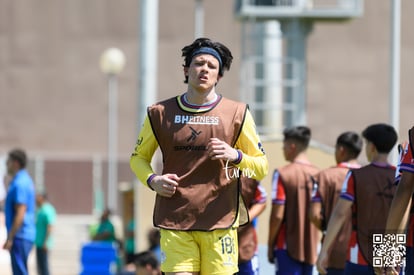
{"type": "Point", "coordinates": [112, 62]}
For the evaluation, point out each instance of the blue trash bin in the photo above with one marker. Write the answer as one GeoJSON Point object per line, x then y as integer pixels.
{"type": "Point", "coordinates": [99, 258]}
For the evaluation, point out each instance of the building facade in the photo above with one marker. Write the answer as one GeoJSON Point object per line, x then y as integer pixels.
{"type": "Point", "coordinates": [54, 98]}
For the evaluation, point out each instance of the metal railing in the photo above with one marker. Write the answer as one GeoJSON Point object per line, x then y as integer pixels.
{"type": "Point", "coordinates": [318, 9]}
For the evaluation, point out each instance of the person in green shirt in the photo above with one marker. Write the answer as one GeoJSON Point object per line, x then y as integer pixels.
{"type": "Point", "coordinates": [106, 230]}
{"type": "Point", "coordinates": [130, 241]}
{"type": "Point", "coordinates": [45, 219]}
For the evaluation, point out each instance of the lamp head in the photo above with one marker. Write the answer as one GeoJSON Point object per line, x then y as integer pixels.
{"type": "Point", "coordinates": [112, 61]}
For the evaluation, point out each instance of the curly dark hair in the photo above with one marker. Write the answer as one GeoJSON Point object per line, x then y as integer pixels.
{"type": "Point", "coordinates": [224, 52]}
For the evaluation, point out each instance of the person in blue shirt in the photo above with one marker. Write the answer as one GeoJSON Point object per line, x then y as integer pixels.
{"type": "Point", "coordinates": [45, 219]}
{"type": "Point", "coordinates": [20, 207]}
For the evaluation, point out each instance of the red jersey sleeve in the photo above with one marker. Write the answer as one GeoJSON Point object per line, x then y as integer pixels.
{"type": "Point", "coordinates": [407, 162]}
{"type": "Point", "coordinates": [278, 190]}
{"type": "Point", "coordinates": [348, 187]}
{"type": "Point", "coordinates": [316, 195]}
{"type": "Point", "coordinates": [260, 195]}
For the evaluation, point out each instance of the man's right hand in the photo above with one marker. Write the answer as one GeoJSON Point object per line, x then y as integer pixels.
{"type": "Point", "coordinates": [165, 185]}
{"type": "Point", "coordinates": [8, 244]}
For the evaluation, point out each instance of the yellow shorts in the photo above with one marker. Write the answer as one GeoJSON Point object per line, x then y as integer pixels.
{"type": "Point", "coordinates": [208, 252]}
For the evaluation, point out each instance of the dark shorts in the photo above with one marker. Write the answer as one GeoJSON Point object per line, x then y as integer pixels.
{"type": "Point", "coordinates": [289, 266]}
{"type": "Point", "coordinates": [250, 267]}
{"type": "Point", "coordinates": [356, 269]}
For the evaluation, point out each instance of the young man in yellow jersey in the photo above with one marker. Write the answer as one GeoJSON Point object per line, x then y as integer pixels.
{"type": "Point", "coordinates": [207, 142]}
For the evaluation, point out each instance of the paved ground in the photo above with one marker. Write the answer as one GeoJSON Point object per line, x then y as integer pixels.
{"type": "Point", "coordinates": [70, 234]}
